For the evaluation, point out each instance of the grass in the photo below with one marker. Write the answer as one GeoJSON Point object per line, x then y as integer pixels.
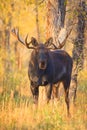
{"type": "Point", "coordinates": [18, 113]}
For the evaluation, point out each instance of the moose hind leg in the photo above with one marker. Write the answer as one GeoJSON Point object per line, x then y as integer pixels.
{"type": "Point", "coordinates": [66, 88]}
{"type": "Point", "coordinates": [67, 100]}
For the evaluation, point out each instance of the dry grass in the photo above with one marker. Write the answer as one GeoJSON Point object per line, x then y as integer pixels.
{"type": "Point", "coordinates": [24, 116]}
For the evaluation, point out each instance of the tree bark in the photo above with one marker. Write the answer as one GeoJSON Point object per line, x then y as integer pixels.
{"type": "Point", "coordinates": [18, 55]}
{"type": "Point", "coordinates": [78, 49]}
{"type": "Point", "coordinates": [37, 21]}
{"type": "Point", "coordinates": [56, 10]}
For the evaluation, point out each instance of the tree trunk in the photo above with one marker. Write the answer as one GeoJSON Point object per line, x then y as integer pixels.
{"type": "Point", "coordinates": [78, 57]}
{"type": "Point", "coordinates": [37, 21]}
{"type": "Point", "coordinates": [55, 18]}
{"type": "Point", "coordinates": [18, 56]}
{"type": "Point", "coordinates": [1, 33]}
{"type": "Point", "coordinates": [7, 47]}
{"type": "Point", "coordinates": [8, 63]}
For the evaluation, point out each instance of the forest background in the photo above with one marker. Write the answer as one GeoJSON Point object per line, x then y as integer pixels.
{"type": "Point", "coordinates": [15, 97]}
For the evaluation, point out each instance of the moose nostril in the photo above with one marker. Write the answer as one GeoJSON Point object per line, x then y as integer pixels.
{"type": "Point", "coordinates": [42, 63]}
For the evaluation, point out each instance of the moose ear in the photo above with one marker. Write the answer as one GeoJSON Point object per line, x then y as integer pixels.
{"type": "Point", "coordinates": [34, 41]}
{"type": "Point", "coordinates": [49, 42]}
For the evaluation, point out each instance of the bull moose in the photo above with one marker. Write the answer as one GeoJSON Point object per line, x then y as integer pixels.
{"type": "Point", "coordinates": [47, 66]}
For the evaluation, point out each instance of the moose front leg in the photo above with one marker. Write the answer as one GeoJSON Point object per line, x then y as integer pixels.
{"type": "Point", "coordinates": [35, 92]}
{"type": "Point", "coordinates": [48, 92]}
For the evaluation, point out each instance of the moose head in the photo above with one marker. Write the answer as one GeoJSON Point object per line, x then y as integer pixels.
{"type": "Point", "coordinates": [40, 50]}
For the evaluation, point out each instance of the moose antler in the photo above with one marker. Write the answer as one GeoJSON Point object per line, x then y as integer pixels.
{"type": "Point", "coordinates": [15, 32]}
{"type": "Point", "coordinates": [49, 42]}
